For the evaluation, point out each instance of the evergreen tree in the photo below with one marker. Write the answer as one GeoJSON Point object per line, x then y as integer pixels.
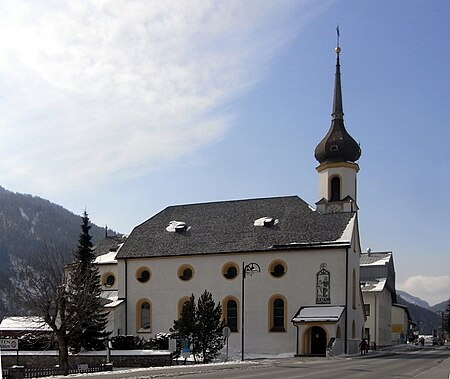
{"type": "Point", "coordinates": [185, 326]}
{"type": "Point", "coordinates": [210, 324]}
{"type": "Point", "coordinates": [447, 318]}
{"type": "Point", "coordinates": [202, 325]}
{"type": "Point", "coordinates": [84, 292]}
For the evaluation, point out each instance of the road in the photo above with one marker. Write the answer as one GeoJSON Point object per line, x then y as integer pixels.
{"type": "Point", "coordinates": [430, 363]}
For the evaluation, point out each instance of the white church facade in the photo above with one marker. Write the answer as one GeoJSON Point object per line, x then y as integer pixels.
{"type": "Point", "coordinates": [303, 295]}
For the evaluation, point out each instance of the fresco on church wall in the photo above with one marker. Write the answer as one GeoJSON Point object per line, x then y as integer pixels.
{"type": "Point", "coordinates": [323, 286]}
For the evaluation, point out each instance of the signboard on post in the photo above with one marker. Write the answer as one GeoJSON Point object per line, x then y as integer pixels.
{"type": "Point", "coordinates": [9, 344]}
{"type": "Point", "coordinates": [185, 348]}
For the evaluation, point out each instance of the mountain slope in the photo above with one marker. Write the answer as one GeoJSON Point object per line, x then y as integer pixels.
{"type": "Point", "coordinates": [425, 319]}
{"type": "Point", "coordinates": [440, 307]}
{"type": "Point", "coordinates": [28, 223]}
{"type": "Point", "coordinates": [413, 299]}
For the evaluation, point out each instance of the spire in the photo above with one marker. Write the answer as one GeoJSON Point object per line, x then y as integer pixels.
{"type": "Point", "coordinates": [338, 111]}
{"type": "Point", "coordinates": [337, 145]}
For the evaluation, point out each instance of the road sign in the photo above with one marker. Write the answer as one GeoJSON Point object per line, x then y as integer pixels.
{"type": "Point", "coordinates": [226, 331]}
{"type": "Point", "coordinates": [9, 344]}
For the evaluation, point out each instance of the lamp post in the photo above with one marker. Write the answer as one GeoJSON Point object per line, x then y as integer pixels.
{"type": "Point", "coordinates": [247, 269]}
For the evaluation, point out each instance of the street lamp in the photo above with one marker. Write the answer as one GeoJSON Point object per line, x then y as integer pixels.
{"type": "Point", "coordinates": [249, 269]}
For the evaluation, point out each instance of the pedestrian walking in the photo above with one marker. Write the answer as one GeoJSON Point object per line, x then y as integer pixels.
{"type": "Point", "coordinates": [363, 348]}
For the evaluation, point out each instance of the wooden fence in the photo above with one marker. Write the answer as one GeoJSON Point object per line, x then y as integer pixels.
{"type": "Point", "coordinates": [21, 372]}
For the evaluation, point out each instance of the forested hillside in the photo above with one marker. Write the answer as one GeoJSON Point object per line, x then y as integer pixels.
{"type": "Point", "coordinates": [29, 223]}
{"type": "Point", "coordinates": [425, 319]}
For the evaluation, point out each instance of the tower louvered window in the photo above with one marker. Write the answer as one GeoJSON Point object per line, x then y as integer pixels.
{"type": "Point", "coordinates": [335, 194]}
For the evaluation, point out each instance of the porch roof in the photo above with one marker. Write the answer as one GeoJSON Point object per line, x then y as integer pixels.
{"type": "Point", "coordinates": [318, 314]}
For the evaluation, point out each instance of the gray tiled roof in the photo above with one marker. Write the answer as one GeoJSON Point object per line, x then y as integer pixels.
{"type": "Point", "coordinates": [381, 258]}
{"type": "Point", "coordinates": [228, 226]}
{"type": "Point", "coordinates": [108, 244]}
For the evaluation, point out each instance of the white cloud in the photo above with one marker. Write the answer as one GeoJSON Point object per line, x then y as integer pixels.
{"type": "Point", "coordinates": [94, 88]}
{"type": "Point", "coordinates": [433, 289]}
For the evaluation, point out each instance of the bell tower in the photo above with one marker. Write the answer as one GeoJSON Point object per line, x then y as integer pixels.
{"type": "Point", "coordinates": [337, 154]}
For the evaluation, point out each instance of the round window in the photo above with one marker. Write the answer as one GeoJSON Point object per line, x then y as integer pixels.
{"type": "Point", "coordinates": [277, 269]}
{"type": "Point", "coordinates": [230, 270]}
{"type": "Point", "coordinates": [143, 275]}
{"type": "Point", "coordinates": [109, 280]}
{"type": "Point", "coordinates": [185, 272]}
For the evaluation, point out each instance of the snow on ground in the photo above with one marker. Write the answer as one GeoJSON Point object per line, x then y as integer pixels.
{"type": "Point", "coordinates": [251, 359]}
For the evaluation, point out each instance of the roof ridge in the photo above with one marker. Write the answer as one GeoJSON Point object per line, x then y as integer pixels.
{"type": "Point", "coordinates": [236, 201]}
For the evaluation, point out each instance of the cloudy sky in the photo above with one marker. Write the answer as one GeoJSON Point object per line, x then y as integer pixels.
{"type": "Point", "coordinates": [126, 107]}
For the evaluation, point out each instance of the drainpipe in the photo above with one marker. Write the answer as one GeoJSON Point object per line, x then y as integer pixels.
{"type": "Point", "coordinates": [126, 297]}
{"type": "Point", "coordinates": [346, 302]}
{"type": "Point", "coordinates": [375, 320]}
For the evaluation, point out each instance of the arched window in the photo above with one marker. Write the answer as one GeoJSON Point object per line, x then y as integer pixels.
{"type": "Point", "coordinates": [335, 193]}
{"type": "Point", "coordinates": [354, 289]}
{"type": "Point", "coordinates": [143, 316]}
{"type": "Point", "coordinates": [277, 313]}
{"type": "Point", "coordinates": [231, 313]}
{"type": "Point", "coordinates": [181, 304]}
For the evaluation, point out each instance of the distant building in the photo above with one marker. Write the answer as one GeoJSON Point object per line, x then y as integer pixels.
{"type": "Point", "coordinates": [304, 294]}
{"type": "Point", "coordinates": [402, 324]}
{"type": "Point", "coordinates": [16, 326]}
{"type": "Point", "coordinates": [105, 253]}
{"type": "Point", "coordinates": [387, 323]}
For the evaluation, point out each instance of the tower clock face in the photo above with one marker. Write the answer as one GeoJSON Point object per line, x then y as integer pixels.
{"type": "Point", "coordinates": [333, 208]}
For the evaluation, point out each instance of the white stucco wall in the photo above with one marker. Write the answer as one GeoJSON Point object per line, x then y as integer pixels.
{"type": "Point", "coordinates": [298, 286]}
{"type": "Point", "coordinates": [399, 320]}
{"type": "Point", "coordinates": [379, 321]}
{"type": "Point", "coordinates": [347, 173]}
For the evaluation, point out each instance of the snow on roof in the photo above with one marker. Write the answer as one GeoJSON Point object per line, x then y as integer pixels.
{"type": "Point", "coordinates": [266, 221]}
{"type": "Point", "coordinates": [312, 208]}
{"type": "Point", "coordinates": [318, 314]}
{"type": "Point", "coordinates": [112, 297]}
{"type": "Point", "coordinates": [376, 285]}
{"type": "Point", "coordinates": [375, 259]}
{"type": "Point", "coordinates": [348, 232]}
{"type": "Point", "coordinates": [30, 323]}
{"type": "Point", "coordinates": [113, 304]}
{"type": "Point", "coordinates": [177, 226]}
{"type": "Point", "coordinates": [106, 258]}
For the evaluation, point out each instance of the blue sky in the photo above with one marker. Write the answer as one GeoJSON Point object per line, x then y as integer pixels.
{"type": "Point", "coordinates": [124, 108]}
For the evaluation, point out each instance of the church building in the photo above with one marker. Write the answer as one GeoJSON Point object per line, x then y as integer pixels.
{"type": "Point", "coordinates": [286, 273]}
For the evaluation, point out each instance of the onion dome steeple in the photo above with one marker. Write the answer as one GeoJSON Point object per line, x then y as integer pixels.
{"type": "Point", "coordinates": [337, 145]}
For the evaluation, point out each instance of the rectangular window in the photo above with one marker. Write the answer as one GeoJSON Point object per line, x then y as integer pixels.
{"type": "Point", "coordinates": [367, 309]}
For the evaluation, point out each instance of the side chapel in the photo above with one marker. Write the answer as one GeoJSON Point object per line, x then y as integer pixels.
{"type": "Point", "coordinates": [304, 295]}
